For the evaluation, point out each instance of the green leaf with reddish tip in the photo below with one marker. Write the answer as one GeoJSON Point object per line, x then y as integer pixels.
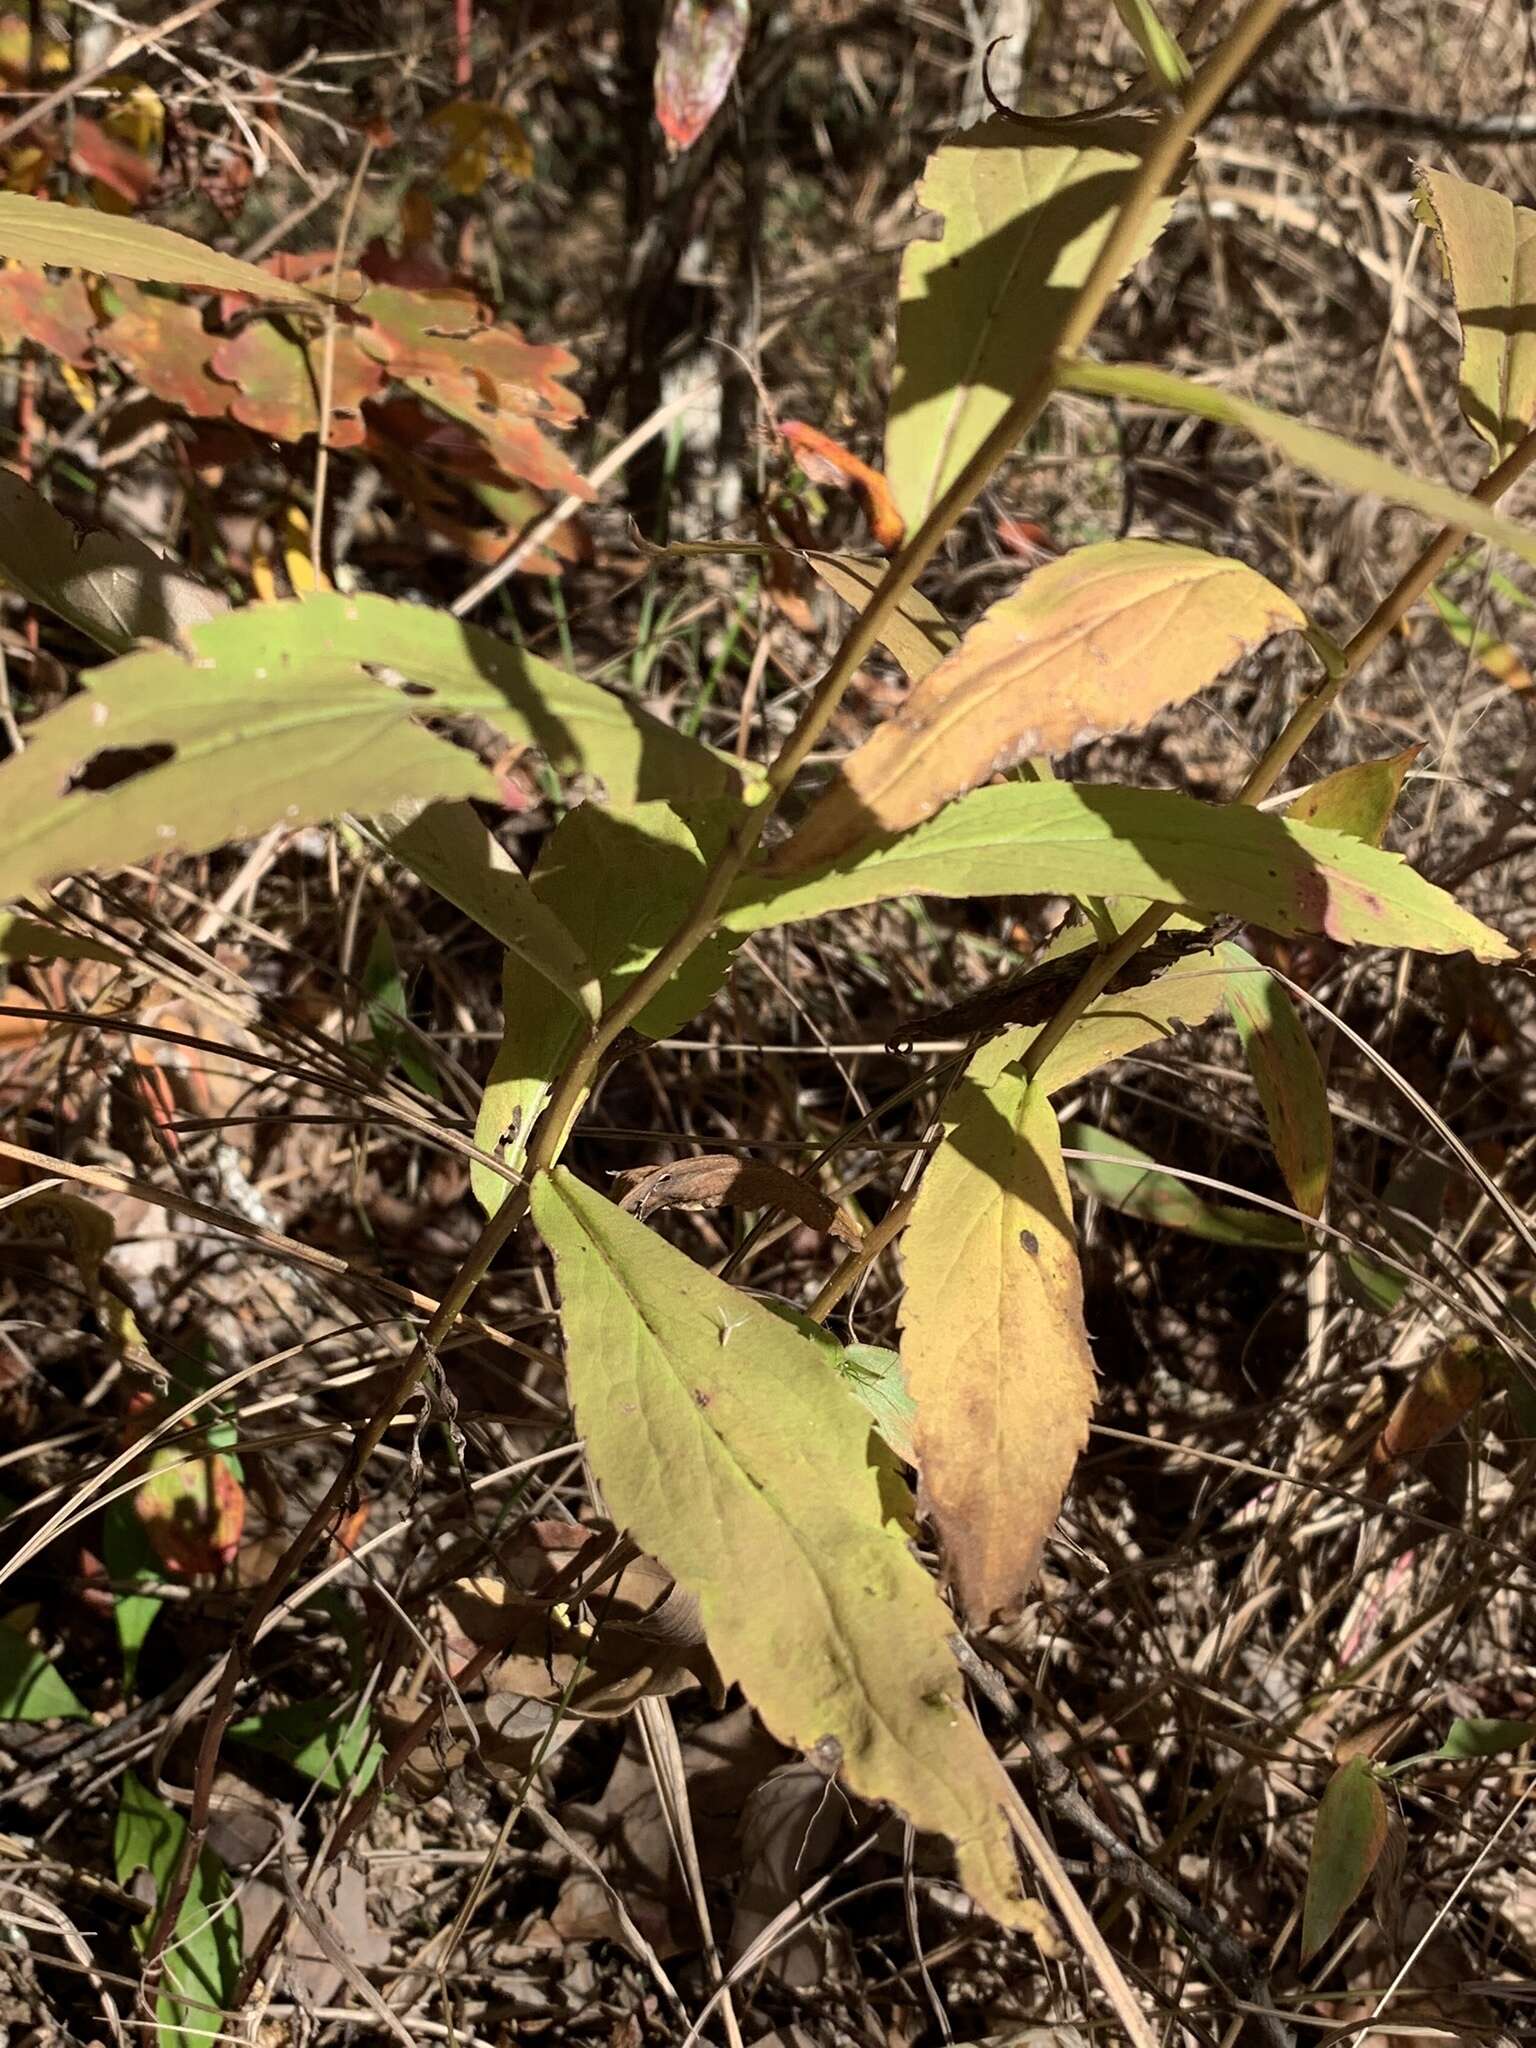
{"type": "Point", "coordinates": [1347, 1840]}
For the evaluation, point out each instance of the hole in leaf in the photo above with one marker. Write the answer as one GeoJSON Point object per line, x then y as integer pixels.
{"type": "Point", "coordinates": [113, 766]}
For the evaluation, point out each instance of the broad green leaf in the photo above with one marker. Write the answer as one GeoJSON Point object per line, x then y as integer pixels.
{"type": "Point", "coordinates": [202, 1964]}
{"type": "Point", "coordinates": [993, 1345]}
{"type": "Point", "coordinates": [113, 590]}
{"type": "Point", "coordinates": [326, 1740]}
{"type": "Point", "coordinates": [26, 938]}
{"type": "Point", "coordinates": [1359, 799]}
{"type": "Point", "coordinates": [30, 1687]}
{"type": "Point", "coordinates": [731, 1453]}
{"type": "Point", "coordinates": [1347, 1839]}
{"type": "Point", "coordinates": [1129, 1181]}
{"type": "Point", "coordinates": [1489, 248]}
{"type": "Point", "coordinates": [1286, 1073]}
{"type": "Point", "coordinates": [1326, 455]}
{"type": "Point", "coordinates": [291, 713]}
{"type": "Point", "coordinates": [1485, 1738]}
{"type": "Point", "coordinates": [1026, 207]}
{"type": "Point", "coordinates": [388, 1008]}
{"type": "Point", "coordinates": [620, 881]}
{"type": "Point", "coordinates": [50, 235]}
{"type": "Point", "coordinates": [1165, 60]}
{"type": "Point", "coordinates": [1092, 643]}
{"type": "Point", "coordinates": [1029, 839]}
{"type": "Point", "coordinates": [1371, 1286]}
{"type": "Point", "coordinates": [448, 846]}
{"type": "Point", "coordinates": [915, 631]}
{"type": "Point", "coordinates": [131, 1563]}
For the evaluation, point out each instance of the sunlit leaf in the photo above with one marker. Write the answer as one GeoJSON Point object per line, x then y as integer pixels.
{"type": "Point", "coordinates": [1094, 642]}
{"type": "Point", "coordinates": [277, 383]}
{"type": "Point", "coordinates": [192, 1509]}
{"type": "Point", "coordinates": [31, 1689]}
{"type": "Point", "coordinates": [1489, 248]}
{"type": "Point", "coordinates": [697, 53]}
{"type": "Point", "coordinates": [826, 461]}
{"type": "Point", "coordinates": [915, 631]}
{"type": "Point", "coordinates": [40, 232]}
{"type": "Point", "coordinates": [1165, 60]}
{"type": "Point", "coordinates": [326, 1740]}
{"type": "Point", "coordinates": [1470, 1738]}
{"type": "Point", "coordinates": [1026, 206]}
{"type": "Point", "coordinates": [202, 1963]}
{"type": "Point", "coordinates": [731, 1453]}
{"type": "Point", "coordinates": [164, 344]}
{"type": "Point", "coordinates": [993, 1346]}
{"type": "Point", "coordinates": [54, 313]}
{"type": "Point", "coordinates": [1444, 1389]}
{"type": "Point", "coordinates": [1347, 1839]}
{"type": "Point", "coordinates": [1129, 1181]}
{"type": "Point", "coordinates": [1493, 654]}
{"type": "Point", "coordinates": [1359, 799]}
{"type": "Point", "coordinates": [1326, 455]}
{"type": "Point", "coordinates": [1286, 1073]}
{"type": "Point", "coordinates": [1049, 838]}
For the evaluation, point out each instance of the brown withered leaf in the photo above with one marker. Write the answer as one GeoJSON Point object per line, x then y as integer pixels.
{"type": "Point", "coordinates": [1094, 642]}
{"type": "Point", "coordinates": [1445, 1389]}
{"type": "Point", "coordinates": [719, 1180]}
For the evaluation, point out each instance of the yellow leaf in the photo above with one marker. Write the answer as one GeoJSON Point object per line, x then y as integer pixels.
{"type": "Point", "coordinates": [915, 631]}
{"type": "Point", "coordinates": [993, 1345]}
{"type": "Point", "coordinates": [1489, 247]}
{"type": "Point", "coordinates": [1092, 643]}
{"type": "Point", "coordinates": [482, 138]}
{"type": "Point", "coordinates": [295, 538]}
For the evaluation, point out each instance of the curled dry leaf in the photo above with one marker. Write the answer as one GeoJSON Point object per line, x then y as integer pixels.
{"type": "Point", "coordinates": [1448, 1387]}
{"type": "Point", "coordinates": [1092, 643]}
{"type": "Point", "coordinates": [718, 1180]}
{"type": "Point", "coordinates": [696, 59]}
{"type": "Point", "coordinates": [826, 461]}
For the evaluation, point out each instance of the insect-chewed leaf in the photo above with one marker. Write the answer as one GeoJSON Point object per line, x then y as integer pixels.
{"type": "Point", "coordinates": [1026, 206]}
{"type": "Point", "coordinates": [1326, 455]}
{"type": "Point", "coordinates": [292, 713]}
{"type": "Point", "coordinates": [41, 232]}
{"type": "Point", "coordinates": [620, 880]}
{"type": "Point", "coordinates": [1092, 643]}
{"type": "Point", "coordinates": [1159, 846]}
{"type": "Point", "coordinates": [115, 591]}
{"type": "Point", "coordinates": [1130, 1181]}
{"type": "Point", "coordinates": [1359, 799]}
{"type": "Point", "coordinates": [202, 1964]}
{"type": "Point", "coordinates": [732, 1453]}
{"type": "Point", "coordinates": [1489, 247]}
{"type": "Point", "coordinates": [1285, 1071]}
{"type": "Point", "coordinates": [1348, 1837]}
{"type": "Point", "coordinates": [915, 631]}
{"type": "Point", "coordinates": [696, 57]}
{"type": "Point", "coordinates": [993, 1347]}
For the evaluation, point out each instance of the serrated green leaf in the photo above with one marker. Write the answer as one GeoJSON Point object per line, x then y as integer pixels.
{"type": "Point", "coordinates": [31, 1689]}
{"type": "Point", "coordinates": [620, 880]}
{"type": "Point", "coordinates": [1348, 1837]}
{"type": "Point", "coordinates": [1326, 455]}
{"type": "Point", "coordinates": [1289, 1080]}
{"type": "Point", "coordinates": [724, 1444]}
{"type": "Point", "coordinates": [1027, 839]}
{"type": "Point", "coordinates": [326, 1740]}
{"type": "Point", "coordinates": [1130, 1181]}
{"type": "Point", "coordinates": [993, 1345]}
{"type": "Point", "coordinates": [202, 1964]}
{"type": "Point", "coordinates": [1026, 206]}
{"type": "Point", "coordinates": [47, 234]}
{"type": "Point", "coordinates": [1359, 799]}
{"type": "Point", "coordinates": [1489, 248]}
{"type": "Point", "coordinates": [1469, 1738]}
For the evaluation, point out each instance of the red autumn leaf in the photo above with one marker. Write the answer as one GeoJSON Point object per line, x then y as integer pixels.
{"type": "Point", "coordinates": [56, 314]}
{"type": "Point", "coordinates": [193, 1510]}
{"type": "Point", "coordinates": [826, 461]}
{"type": "Point", "coordinates": [164, 344]}
{"type": "Point", "coordinates": [96, 154]}
{"type": "Point", "coordinates": [696, 60]}
{"type": "Point", "coordinates": [1026, 538]}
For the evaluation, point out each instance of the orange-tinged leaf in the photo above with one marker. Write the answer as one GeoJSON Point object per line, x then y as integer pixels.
{"type": "Point", "coordinates": [121, 175]}
{"type": "Point", "coordinates": [826, 461]}
{"type": "Point", "coordinates": [1359, 799]}
{"type": "Point", "coordinates": [731, 1448]}
{"type": "Point", "coordinates": [1094, 642]}
{"type": "Point", "coordinates": [167, 348]}
{"type": "Point", "coordinates": [1287, 1075]}
{"type": "Point", "coordinates": [1347, 1840]}
{"type": "Point", "coordinates": [993, 1347]}
{"type": "Point", "coordinates": [55, 313]}
{"type": "Point", "coordinates": [1494, 655]}
{"type": "Point", "coordinates": [1444, 1390]}
{"type": "Point", "coordinates": [277, 383]}
{"type": "Point", "coordinates": [696, 58]}
{"type": "Point", "coordinates": [193, 1510]}
{"type": "Point", "coordinates": [1489, 247]}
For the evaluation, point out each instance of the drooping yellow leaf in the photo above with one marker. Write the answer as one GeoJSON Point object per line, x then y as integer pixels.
{"type": "Point", "coordinates": [1489, 247]}
{"type": "Point", "coordinates": [43, 233]}
{"type": "Point", "coordinates": [482, 138]}
{"type": "Point", "coordinates": [993, 1345]}
{"type": "Point", "coordinates": [1026, 207]}
{"type": "Point", "coordinates": [1094, 642]}
{"type": "Point", "coordinates": [915, 631]}
{"type": "Point", "coordinates": [735, 1454]}
{"type": "Point", "coordinates": [1314, 448]}
{"type": "Point", "coordinates": [1288, 1077]}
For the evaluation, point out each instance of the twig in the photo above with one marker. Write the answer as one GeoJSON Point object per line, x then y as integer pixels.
{"type": "Point", "coordinates": [1304, 111]}
{"type": "Point", "coordinates": [137, 39]}
{"type": "Point", "coordinates": [328, 363]}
